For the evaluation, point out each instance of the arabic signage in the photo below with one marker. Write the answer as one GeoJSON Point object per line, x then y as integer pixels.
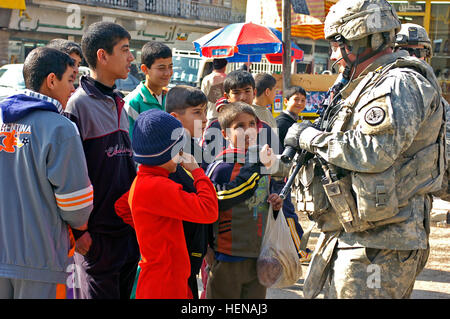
{"type": "Point", "coordinates": [410, 6]}
{"type": "Point", "coordinates": [167, 34]}
{"type": "Point", "coordinates": [73, 21]}
{"type": "Point", "coordinates": [36, 19]}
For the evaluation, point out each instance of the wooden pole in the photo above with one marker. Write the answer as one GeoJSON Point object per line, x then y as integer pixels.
{"type": "Point", "coordinates": [286, 37]}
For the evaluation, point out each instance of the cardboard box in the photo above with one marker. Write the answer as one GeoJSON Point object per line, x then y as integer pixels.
{"type": "Point", "coordinates": [316, 86]}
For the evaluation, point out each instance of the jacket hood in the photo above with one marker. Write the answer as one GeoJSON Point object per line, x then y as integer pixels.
{"type": "Point", "coordinates": [15, 107]}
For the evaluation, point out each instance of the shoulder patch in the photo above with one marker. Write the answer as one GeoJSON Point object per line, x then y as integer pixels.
{"type": "Point", "coordinates": [374, 116]}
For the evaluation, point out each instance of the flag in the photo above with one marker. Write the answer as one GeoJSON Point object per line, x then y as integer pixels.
{"type": "Point", "coordinates": [13, 4]}
{"type": "Point", "coordinates": [269, 13]}
{"type": "Point", "coordinates": [300, 6]}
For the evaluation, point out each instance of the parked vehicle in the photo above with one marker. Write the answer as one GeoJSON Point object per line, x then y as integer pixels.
{"type": "Point", "coordinates": [11, 80]}
{"type": "Point", "coordinates": [127, 85]}
{"type": "Point", "coordinates": [123, 85]}
{"type": "Point", "coordinates": [189, 68]}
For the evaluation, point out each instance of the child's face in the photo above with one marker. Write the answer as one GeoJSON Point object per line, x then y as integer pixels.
{"type": "Point", "coordinates": [77, 59]}
{"type": "Point", "coordinates": [118, 63]}
{"type": "Point", "coordinates": [271, 93]}
{"type": "Point", "coordinates": [193, 120]}
{"type": "Point", "coordinates": [62, 89]}
{"type": "Point", "coordinates": [244, 94]}
{"type": "Point", "coordinates": [242, 132]}
{"type": "Point", "coordinates": [158, 75]}
{"type": "Point", "coordinates": [296, 103]}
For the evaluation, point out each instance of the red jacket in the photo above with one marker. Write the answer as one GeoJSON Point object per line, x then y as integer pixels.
{"type": "Point", "coordinates": [158, 206]}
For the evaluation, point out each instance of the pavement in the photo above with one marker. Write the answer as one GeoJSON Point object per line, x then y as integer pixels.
{"type": "Point", "coordinates": [432, 283]}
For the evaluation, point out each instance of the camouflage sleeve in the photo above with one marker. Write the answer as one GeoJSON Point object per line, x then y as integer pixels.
{"type": "Point", "coordinates": [382, 128]}
{"type": "Point", "coordinates": [447, 125]}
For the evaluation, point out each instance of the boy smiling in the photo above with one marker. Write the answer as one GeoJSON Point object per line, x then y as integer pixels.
{"type": "Point", "coordinates": [244, 195]}
{"type": "Point", "coordinates": [151, 93]}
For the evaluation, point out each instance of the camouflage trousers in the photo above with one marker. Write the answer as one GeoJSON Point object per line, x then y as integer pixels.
{"type": "Point", "coordinates": [369, 273]}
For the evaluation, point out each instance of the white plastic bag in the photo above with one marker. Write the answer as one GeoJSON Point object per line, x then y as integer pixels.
{"type": "Point", "coordinates": [278, 264]}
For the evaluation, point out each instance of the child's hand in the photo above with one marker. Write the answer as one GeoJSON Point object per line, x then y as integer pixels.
{"type": "Point", "coordinates": [188, 162]}
{"type": "Point", "coordinates": [210, 256]}
{"type": "Point", "coordinates": [275, 200]}
{"type": "Point", "coordinates": [83, 244]}
{"type": "Point", "coordinates": [266, 156]}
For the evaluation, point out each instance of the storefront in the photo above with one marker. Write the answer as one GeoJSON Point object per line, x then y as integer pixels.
{"type": "Point", "coordinates": [434, 16]}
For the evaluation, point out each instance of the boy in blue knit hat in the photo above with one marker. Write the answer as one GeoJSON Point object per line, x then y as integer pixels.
{"type": "Point", "coordinates": [159, 205]}
{"type": "Point", "coordinates": [188, 105]}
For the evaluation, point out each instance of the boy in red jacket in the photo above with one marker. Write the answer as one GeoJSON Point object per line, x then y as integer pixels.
{"type": "Point", "coordinates": [159, 205]}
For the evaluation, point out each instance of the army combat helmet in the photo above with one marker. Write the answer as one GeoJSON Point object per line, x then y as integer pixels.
{"type": "Point", "coordinates": [413, 34]}
{"type": "Point", "coordinates": [361, 24]}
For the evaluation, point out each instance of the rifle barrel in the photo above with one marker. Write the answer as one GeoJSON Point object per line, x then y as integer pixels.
{"type": "Point", "coordinates": [301, 160]}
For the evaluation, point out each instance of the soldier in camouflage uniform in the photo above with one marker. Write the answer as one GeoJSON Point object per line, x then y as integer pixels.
{"type": "Point", "coordinates": [379, 154]}
{"type": "Point", "coordinates": [414, 39]}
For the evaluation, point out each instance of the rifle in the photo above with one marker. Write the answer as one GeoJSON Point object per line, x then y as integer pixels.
{"type": "Point", "coordinates": [304, 156]}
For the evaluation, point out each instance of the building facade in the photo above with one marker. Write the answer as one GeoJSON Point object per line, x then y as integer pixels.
{"type": "Point", "coordinates": [434, 16]}
{"type": "Point", "coordinates": [174, 22]}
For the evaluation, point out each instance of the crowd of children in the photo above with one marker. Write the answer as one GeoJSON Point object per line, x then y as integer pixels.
{"type": "Point", "coordinates": [156, 189]}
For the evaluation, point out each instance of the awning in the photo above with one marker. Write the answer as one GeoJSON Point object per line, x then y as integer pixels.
{"type": "Point", "coordinates": [13, 4]}
{"type": "Point", "coordinates": [308, 26]}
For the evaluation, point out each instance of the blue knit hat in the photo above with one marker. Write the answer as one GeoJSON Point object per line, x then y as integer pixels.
{"type": "Point", "coordinates": [157, 137]}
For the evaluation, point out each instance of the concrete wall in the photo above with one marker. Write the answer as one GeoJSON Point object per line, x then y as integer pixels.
{"type": "Point", "coordinates": [5, 15]}
{"type": "Point", "coordinates": [4, 38]}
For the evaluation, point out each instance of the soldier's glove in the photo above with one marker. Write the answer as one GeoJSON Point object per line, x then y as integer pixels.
{"type": "Point", "coordinates": [294, 133]}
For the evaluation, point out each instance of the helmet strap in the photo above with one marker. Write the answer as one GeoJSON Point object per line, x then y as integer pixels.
{"type": "Point", "coordinates": [349, 64]}
{"type": "Point", "coordinates": [359, 58]}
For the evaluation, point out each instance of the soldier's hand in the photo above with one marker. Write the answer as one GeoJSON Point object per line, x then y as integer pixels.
{"type": "Point", "coordinates": [294, 133]}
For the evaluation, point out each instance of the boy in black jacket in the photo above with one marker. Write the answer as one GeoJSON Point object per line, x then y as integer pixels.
{"type": "Point", "coordinates": [295, 101]}
{"type": "Point", "coordinates": [111, 252]}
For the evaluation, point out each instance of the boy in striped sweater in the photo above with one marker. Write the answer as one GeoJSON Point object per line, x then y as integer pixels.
{"type": "Point", "coordinates": [243, 208]}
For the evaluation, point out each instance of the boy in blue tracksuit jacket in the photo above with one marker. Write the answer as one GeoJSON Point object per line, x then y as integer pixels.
{"type": "Point", "coordinates": [46, 191]}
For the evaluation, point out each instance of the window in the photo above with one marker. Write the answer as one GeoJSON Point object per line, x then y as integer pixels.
{"type": "Point", "coordinates": [307, 48]}
{"type": "Point", "coordinates": [439, 35]}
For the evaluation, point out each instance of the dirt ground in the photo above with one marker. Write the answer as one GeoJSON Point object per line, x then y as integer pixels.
{"type": "Point", "coordinates": [432, 283]}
